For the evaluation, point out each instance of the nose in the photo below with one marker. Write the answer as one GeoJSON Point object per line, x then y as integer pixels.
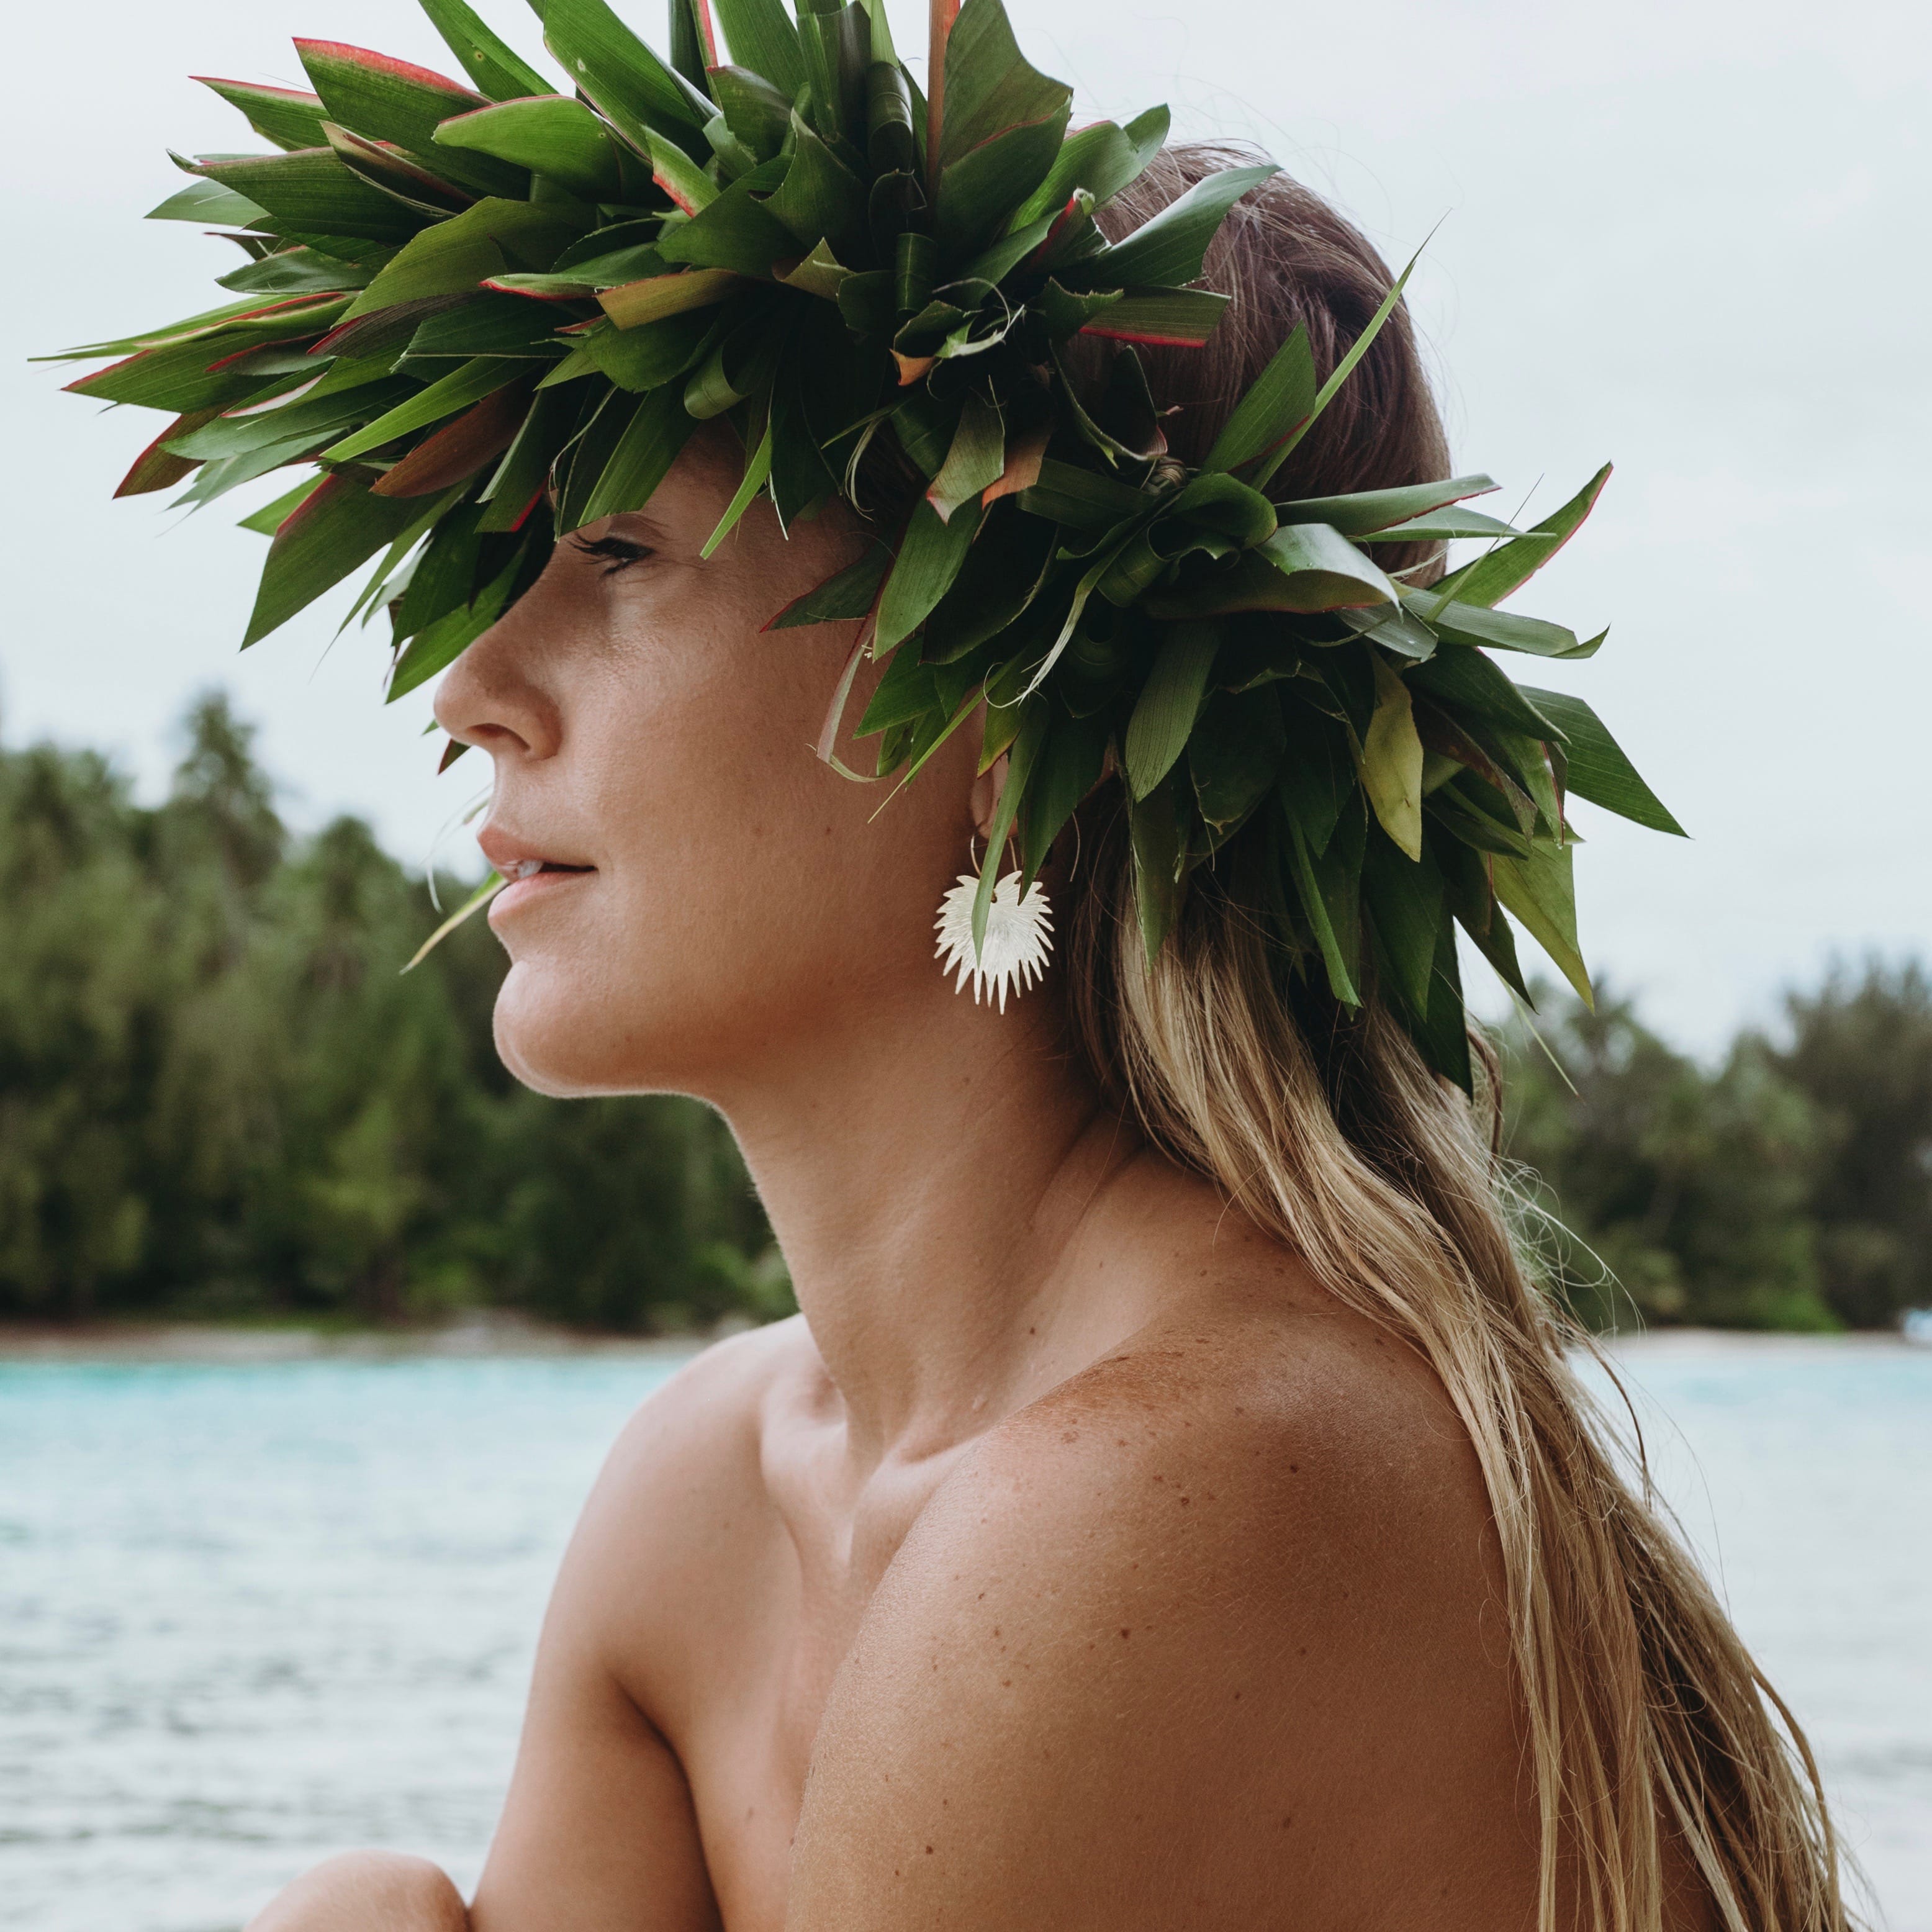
{"type": "Point", "coordinates": [492, 698]}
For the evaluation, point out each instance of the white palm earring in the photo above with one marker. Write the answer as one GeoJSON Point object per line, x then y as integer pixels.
{"type": "Point", "coordinates": [1019, 938]}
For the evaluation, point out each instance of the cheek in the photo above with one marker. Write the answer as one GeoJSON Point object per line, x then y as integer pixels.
{"type": "Point", "coordinates": [746, 896]}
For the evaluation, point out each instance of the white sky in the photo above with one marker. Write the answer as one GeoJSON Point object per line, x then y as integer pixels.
{"type": "Point", "coordinates": [1688, 234]}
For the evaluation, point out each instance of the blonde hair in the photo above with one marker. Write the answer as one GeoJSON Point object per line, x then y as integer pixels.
{"type": "Point", "coordinates": [1656, 1743]}
{"type": "Point", "coordinates": [1647, 1719]}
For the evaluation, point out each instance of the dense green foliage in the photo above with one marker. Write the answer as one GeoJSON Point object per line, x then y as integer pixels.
{"type": "Point", "coordinates": [1789, 1186]}
{"type": "Point", "coordinates": [219, 1097]}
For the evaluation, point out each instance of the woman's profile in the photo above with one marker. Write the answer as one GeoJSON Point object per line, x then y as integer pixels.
{"type": "Point", "coordinates": [1173, 1505]}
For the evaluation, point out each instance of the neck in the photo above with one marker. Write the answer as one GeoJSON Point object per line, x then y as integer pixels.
{"type": "Point", "coordinates": [929, 1183]}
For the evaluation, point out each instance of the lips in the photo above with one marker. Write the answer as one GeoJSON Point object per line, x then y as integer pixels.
{"type": "Point", "coordinates": [528, 872]}
{"type": "Point", "coordinates": [518, 869]}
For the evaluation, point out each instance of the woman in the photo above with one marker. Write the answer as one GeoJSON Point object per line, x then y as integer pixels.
{"type": "Point", "coordinates": [1173, 1506]}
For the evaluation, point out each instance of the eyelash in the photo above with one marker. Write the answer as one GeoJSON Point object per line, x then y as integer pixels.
{"type": "Point", "coordinates": [619, 553]}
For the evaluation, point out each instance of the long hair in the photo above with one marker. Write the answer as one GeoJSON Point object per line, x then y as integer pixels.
{"type": "Point", "coordinates": [1655, 1744]}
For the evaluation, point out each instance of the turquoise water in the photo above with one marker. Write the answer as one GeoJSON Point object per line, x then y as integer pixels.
{"type": "Point", "coordinates": [252, 1614]}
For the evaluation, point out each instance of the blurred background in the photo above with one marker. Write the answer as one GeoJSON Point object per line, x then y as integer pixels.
{"type": "Point", "coordinates": [313, 1326]}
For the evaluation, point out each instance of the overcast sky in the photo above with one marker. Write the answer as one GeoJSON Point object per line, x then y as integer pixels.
{"type": "Point", "coordinates": [1689, 235]}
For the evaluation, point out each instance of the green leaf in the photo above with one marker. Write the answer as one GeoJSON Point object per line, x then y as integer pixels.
{"type": "Point", "coordinates": [486, 325]}
{"type": "Point", "coordinates": [1103, 159]}
{"type": "Point", "coordinates": [905, 693]}
{"type": "Point", "coordinates": [990, 89]}
{"type": "Point", "coordinates": [1276, 400]}
{"type": "Point", "coordinates": [758, 112]}
{"type": "Point", "coordinates": [289, 116]}
{"type": "Point", "coordinates": [178, 378]}
{"type": "Point", "coordinates": [1404, 893]}
{"type": "Point", "coordinates": [675, 172]}
{"type": "Point", "coordinates": [307, 421]}
{"type": "Point", "coordinates": [976, 190]}
{"type": "Point", "coordinates": [654, 297]}
{"type": "Point", "coordinates": [1392, 761]}
{"type": "Point", "coordinates": [1069, 766]}
{"type": "Point", "coordinates": [338, 527]}
{"type": "Point", "coordinates": [1460, 677]}
{"type": "Point", "coordinates": [737, 230]}
{"type": "Point", "coordinates": [1370, 510]}
{"type": "Point", "coordinates": [623, 79]}
{"type": "Point", "coordinates": [385, 100]}
{"type": "Point", "coordinates": [313, 193]}
{"type": "Point", "coordinates": [1169, 318]}
{"type": "Point", "coordinates": [1330, 885]}
{"type": "Point", "coordinates": [1440, 526]}
{"type": "Point", "coordinates": [456, 390]}
{"type": "Point", "coordinates": [1498, 630]}
{"type": "Point", "coordinates": [1020, 762]}
{"type": "Point", "coordinates": [468, 910]}
{"type": "Point", "coordinates": [648, 448]}
{"type": "Point", "coordinates": [1009, 561]}
{"type": "Point", "coordinates": [208, 201]}
{"type": "Point", "coordinates": [1339, 374]}
{"type": "Point", "coordinates": [1226, 505]}
{"type": "Point", "coordinates": [929, 558]}
{"type": "Point", "coordinates": [1082, 499]}
{"type": "Point", "coordinates": [1540, 891]}
{"type": "Point", "coordinates": [551, 135]}
{"type": "Point", "coordinates": [835, 41]}
{"type": "Point", "coordinates": [1169, 249]}
{"type": "Point", "coordinates": [1441, 1030]}
{"type": "Point", "coordinates": [293, 272]}
{"type": "Point", "coordinates": [1595, 766]}
{"type": "Point", "coordinates": [762, 37]}
{"type": "Point", "coordinates": [1154, 827]}
{"type": "Point", "coordinates": [525, 469]}
{"type": "Point", "coordinates": [820, 198]}
{"type": "Point", "coordinates": [847, 594]}
{"type": "Point", "coordinates": [757, 474]}
{"type": "Point", "coordinates": [638, 359]}
{"type": "Point", "coordinates": [976, 461]}
{"type": "Point", "coordinates": [1170, 701]}
{"type": "Point", "coordinates": [1317, 774]}
{"type": "Point", "coordinates": [1488, 579]}
{"type": "Point", "coordinates": [1235, 755]}
{"type": "Point", "coordinates": [270, 518]}
{"type": "Point", "coordinates": [438, 645]}
{"type": "Point", "coordinates": [488, 64]}
{"type": "Point", "coordinates": [1304, 567]}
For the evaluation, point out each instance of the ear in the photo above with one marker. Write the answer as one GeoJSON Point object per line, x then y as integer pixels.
{"type": "Point", "coordinates": [984, 799]}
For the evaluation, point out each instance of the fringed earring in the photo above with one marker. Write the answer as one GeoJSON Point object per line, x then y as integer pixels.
{"type": "Point", "coordinates": [1019, 937]}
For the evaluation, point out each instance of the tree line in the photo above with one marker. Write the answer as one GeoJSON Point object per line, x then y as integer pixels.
{"type": "Point", "coordinates": [219, 1098]}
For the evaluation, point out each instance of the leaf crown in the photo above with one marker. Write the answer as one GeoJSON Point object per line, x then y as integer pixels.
{"type": "Point", "coordinates": [482, 314]}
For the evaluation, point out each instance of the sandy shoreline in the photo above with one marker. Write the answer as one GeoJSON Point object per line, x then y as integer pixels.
{"type": "Point", "coordinates": [215, 1342]}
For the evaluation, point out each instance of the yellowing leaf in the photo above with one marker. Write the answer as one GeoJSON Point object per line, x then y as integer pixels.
{"type": "Point", "coordinates": [1392, 762]}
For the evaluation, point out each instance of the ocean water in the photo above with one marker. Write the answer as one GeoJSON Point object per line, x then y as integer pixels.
{"type": "Point", "coordinates": [252, 1613]}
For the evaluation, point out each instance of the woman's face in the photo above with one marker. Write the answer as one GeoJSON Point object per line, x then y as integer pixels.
{"type": "Point", "coordinates": [730, 900]}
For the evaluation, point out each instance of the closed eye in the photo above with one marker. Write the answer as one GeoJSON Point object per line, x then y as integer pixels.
{"type": "Point", "coordinates": [617, 553]}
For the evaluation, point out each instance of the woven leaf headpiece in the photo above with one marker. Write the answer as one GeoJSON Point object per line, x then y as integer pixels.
{"type": "Point", "coordinates": [479, 315]}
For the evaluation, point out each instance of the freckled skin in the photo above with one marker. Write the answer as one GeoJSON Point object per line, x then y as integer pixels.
{"type": "Point", "coordinates": [1072, 1561]}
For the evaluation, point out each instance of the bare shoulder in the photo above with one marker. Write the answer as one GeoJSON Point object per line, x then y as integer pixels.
{"type": "Point", "coordinates": [679, 1506]}
{"type": "Point", "coordinates": [1209, 1627]}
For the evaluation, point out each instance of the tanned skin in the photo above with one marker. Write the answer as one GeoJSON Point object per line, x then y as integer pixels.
{"type": "Point", "coordinates": [1073, 1560]}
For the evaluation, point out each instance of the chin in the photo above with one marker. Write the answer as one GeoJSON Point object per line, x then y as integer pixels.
{"type": "Point", "coordinates": [554, 1033]}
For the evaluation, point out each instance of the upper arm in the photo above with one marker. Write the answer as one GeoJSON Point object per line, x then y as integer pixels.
{"type": "Point", "coordinates": [1143, 1665]}
{"type": "Point", "coordinates": [599, 1831]}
